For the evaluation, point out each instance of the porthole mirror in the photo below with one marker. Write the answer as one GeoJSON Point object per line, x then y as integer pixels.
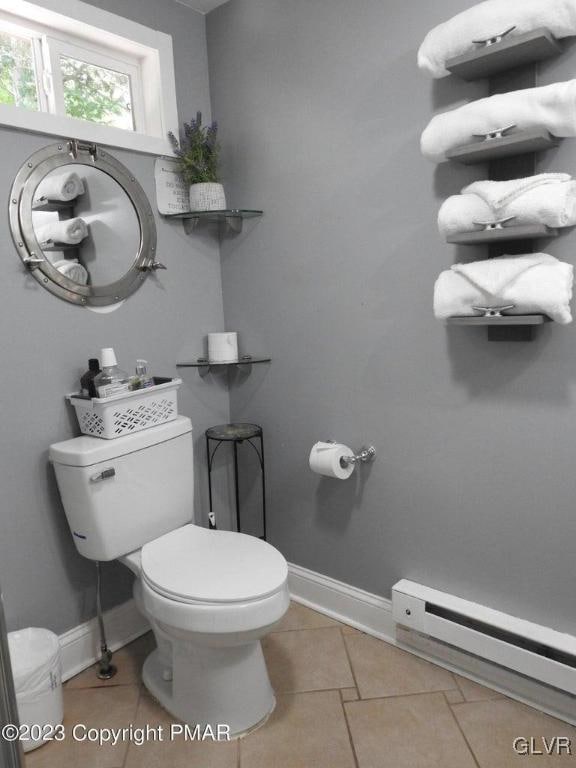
{"type": "Point", "coordinates": [82, 224]}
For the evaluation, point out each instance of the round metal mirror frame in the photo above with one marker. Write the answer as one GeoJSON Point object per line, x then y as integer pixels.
{"type": "Point", "coordinates": [21, 224]}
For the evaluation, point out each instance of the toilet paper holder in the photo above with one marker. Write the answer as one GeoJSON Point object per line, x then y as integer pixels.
{"type": "Point", "coordinates": [365, 455]}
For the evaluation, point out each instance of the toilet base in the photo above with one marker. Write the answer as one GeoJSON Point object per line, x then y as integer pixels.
{"type": "Point", "coordinates": [213, 686]}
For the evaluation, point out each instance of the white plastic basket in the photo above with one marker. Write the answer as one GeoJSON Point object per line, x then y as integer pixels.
{"type": "Point", "coordinates": [111, 417]}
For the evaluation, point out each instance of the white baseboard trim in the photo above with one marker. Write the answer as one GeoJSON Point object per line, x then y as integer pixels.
{"type": "Point", "coordinates": [81, 645]}
{"type": "Point", "coordinates": [373, 614]}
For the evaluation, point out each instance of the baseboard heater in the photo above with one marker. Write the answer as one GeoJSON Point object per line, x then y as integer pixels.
{"type": "Point", "coordinates": [532, 650]}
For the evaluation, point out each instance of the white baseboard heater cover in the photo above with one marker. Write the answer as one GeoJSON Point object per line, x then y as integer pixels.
{"type": "Point", "coordinates": [533, 650]}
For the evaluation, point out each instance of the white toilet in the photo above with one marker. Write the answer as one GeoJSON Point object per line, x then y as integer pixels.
{"type": "Point", "coordinates": [210, 596]}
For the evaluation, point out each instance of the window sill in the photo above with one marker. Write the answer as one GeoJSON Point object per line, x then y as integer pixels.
{"type": "Point", "coordinates": [70, 127]}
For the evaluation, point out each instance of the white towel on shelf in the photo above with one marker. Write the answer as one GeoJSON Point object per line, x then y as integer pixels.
{"type": "Point", "coordinates": [498, 194]}
{"type": "Point", "coordinates": [551, 107]}
{"type": "Point", "coordinates": [62, 187]}
{"type": "Point", "coordinates": [552, 204]}
{"type": "Point", "coordinates": [535, 283]}
{"type": "Point", "coordinates": [73, 270]}
{"type": "Point", "coordinates": [489, 19]}
{"type": "Point", "coordinates": [66, 231]}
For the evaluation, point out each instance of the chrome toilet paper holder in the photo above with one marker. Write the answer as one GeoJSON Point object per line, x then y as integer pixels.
{"type": "Point", "coordinates": [365, 455]}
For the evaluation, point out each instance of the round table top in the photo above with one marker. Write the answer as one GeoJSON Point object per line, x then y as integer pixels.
{"type": "Point", "coordinates": [234, 431]}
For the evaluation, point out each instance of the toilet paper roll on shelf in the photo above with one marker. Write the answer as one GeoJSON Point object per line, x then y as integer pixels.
{"type": "Point", "coordinates": [337, 460]}
{"type": "Point", "coordinates": [223, 347]}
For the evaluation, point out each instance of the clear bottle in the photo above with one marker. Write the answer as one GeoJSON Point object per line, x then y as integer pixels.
{"type": "Point", "coordinates": [142, 374]}
{"type": "Point", "coordinates": [112, 380]}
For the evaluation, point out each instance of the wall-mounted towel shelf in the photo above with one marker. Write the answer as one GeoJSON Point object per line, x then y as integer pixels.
{"type": "Point", "coordinates": [519, 232]}
{"type": "Point", "coordinates": [205, 366]}
{"type": "Point", "coordinates": [506, 327]}
{"type": "Point", "coordinates": [510, 52]}
{"type": "Point", "coordinates": [520, 143]}
{"type": "Point", "coordinates": [51, 206]}
{"type": "Point", "coordinates": [233, 218]}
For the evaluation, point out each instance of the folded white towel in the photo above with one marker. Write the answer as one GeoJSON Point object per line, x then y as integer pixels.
{"type": "Point", "coordinates": [60, 186]}
{"type": "Point", "coordinates": [493, 17]}
{"type": "Point", "coordinates": [498, 194]}
{"type": "Point", "coordinates": [551, 107]}
{"type": "Point", "coordinates": [534, 283]}
{"type": "Point", "coordinates": [67, 231]}
{"type": "Point", "coordinates": [553, 205]}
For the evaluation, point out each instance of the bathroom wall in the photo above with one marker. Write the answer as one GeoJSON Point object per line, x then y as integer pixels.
{"type": "Point", "coordinates": [45, 345]}
{"type": "Point", "coordinates": [473, 491]}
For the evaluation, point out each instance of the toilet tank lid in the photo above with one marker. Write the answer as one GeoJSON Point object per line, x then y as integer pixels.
{"type": "Point", "coordinates": [85, 451]}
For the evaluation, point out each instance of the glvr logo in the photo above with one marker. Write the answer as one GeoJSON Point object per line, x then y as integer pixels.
{"type": "Point", "coordinates": [556, 745]}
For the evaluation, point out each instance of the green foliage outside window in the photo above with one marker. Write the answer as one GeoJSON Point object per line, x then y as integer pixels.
{"type": "Point", "coordinates": [17, 74]}
{"type": "Point", "coordinates": [96, 94]}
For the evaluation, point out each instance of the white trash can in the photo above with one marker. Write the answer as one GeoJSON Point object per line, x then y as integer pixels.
{"type": "Point", "coordinates": [37, 669]}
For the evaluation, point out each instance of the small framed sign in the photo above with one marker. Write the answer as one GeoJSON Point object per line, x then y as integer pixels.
{"type": "Point", "coordinates": [172, 193]}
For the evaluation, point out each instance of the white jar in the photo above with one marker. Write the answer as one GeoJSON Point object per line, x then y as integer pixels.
{"type": "Point", "coordinates": [207, 197]}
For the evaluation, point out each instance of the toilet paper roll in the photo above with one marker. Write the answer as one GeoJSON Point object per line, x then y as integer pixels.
{"type": "Point", "coordinates": [222, 347]}
{"type": "Point", "coordinates": [325, 460]}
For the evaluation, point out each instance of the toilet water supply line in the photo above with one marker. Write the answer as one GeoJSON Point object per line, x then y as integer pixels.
{"type": "Point", "coordinates": [106, 670]}
{"type": "Point", "coordinates": [11, 754]}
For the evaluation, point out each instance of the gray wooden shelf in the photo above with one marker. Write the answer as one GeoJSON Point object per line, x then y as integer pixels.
{"type": "Point", "coordinates": [520, 143]}
{"type": "Point", "coordinates": [501, 321]}
{"type": "Point", "coordinates": [519, 232]}
{"type": "Point", "coordinates": [505, 328]}
{"type": "Point", "coordinates": [510, 52]}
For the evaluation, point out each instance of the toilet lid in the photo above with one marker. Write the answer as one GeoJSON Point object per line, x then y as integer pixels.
{"type": "Point", "coordinates": [196, 564]}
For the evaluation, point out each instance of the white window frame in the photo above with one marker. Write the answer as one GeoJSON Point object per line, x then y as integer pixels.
{"type": "Point", "coordinates": [82, 31]}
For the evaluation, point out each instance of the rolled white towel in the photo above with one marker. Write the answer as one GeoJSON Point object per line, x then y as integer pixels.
{"type": "Point", "coordinates": [73, 270]}
{"type": "Point", "coordinates": [551, 107]}
{"type": "Point", "coordinates": [64, 186]}
{"type": "Point", "coordinates": [534, 283]}
{"type": "Point", "coordinates": [489, 19]}
{"type": "Point", "coordinates": [66, 231]}
{"type": "Point", "coordinates": [459, 212]}
{"type": "Point", "coordinates": [553, 205]}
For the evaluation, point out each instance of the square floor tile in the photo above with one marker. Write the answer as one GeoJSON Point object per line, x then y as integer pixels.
{"type": "Point", "coordinates": [177, 752]}
{"type": "Point", "coordinates": [383, 670]}
{"type": "Point", "coordinates": [306, 730]}
{"type": "Point", "coordinates": [300, 617]}
{"type": "Point", "coordinates": [474, 691]}
{"type": "Point", "coordinates": [407, 732]}
{"type": "Point", "coordinates": [95, 708]}
{"type": "Point", "coordinates": [307, 660]}
{"type": "Point", "coordinates": [127, 660]}
{"type": "Point", "coordinates": [349, 694]}
{"type": "Point", "coordinates": [492, 726]}
{"type": "Point", "coordinates": [454, 697]}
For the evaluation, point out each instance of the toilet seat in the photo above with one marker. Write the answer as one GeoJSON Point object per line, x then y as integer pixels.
{"type": "Point", "coordinates": [194, 565]}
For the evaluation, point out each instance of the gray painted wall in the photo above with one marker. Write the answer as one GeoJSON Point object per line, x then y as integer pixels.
{"type": "Point", "coordinates": [474, 489]}
{"type": "Point", "coordinates": [46, 342]}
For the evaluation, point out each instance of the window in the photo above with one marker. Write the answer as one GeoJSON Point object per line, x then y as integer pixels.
{"type": "Point", "coordinates": [74, 79]}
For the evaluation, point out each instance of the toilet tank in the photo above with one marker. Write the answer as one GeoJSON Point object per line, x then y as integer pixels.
{"type": "Point", "coordinates": [120, 494]}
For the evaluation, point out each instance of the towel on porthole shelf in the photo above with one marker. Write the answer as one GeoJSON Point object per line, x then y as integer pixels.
{"type": "Point", "coordinates": [62, 187]}
{"type": "Point", "coordinates": [67, 231]}
{"type": "Point", "coordinates": [550, 107]}
{"type": "Point", "coordinates": [534, 283]}
{"type": "Point", "coordinates": [539, 199]}
{"type": "Point", "coordinates": [489, 19]}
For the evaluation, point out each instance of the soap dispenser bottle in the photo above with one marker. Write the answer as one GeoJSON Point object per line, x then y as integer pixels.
{"type": "Point", "coordinates": [87, 379]}
{"type": "Point", "coordinates": [112, 380]}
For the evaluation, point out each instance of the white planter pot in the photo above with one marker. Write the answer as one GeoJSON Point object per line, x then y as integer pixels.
{"type": "Point", "coordinates": [207, 197]}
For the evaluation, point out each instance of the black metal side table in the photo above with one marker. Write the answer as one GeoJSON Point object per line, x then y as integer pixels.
{"type": "Point", "coordinates": [237, 434]}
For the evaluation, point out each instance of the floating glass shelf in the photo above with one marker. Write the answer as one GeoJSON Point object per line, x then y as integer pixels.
{"type": "Point", "coordinates": [508, 53]}
{"type": "Point", "coordinates": [504, 234]}
{"type": "Point", "coordinates": [233, 218]}
{"type": "Point", "coordinates": [204, 365]}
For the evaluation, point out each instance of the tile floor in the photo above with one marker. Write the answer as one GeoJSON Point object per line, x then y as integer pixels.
{"type": "Point", "coordinates": [344, 700]}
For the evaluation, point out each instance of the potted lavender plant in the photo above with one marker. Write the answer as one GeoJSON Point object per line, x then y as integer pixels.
{"type": "Point", "coordinates": [197, 155]}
